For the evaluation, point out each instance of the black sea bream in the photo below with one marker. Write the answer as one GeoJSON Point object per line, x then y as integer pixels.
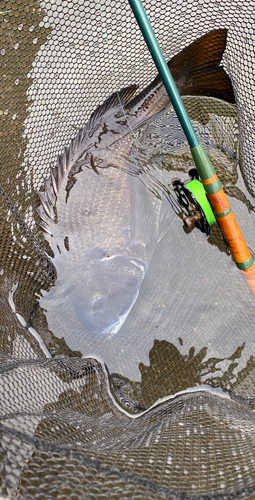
{"type": "Point", "coordinates": [106, 204]}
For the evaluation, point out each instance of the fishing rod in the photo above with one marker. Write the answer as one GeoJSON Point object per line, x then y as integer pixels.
{"type": "Point", "coordinates": [211, 183]}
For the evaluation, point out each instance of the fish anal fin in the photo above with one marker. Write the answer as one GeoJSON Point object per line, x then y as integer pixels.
{"type": "Point", "coordinates": [196, 69]}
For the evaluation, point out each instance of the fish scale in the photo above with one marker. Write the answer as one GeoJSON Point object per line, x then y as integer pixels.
{"type": "Point", "coordinates": [105, 245]}
{"type": "Point", "coordinates": [88, 223]}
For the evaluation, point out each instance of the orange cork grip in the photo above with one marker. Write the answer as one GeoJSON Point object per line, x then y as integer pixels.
{"type": "Point", "coordinates": [218, 200]}
{"type": "Point", "coordinates": [233, 236]}
{"type": "Point", "coordinates": [230, 227]}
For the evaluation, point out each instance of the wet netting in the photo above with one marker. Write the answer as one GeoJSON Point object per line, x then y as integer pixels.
{"type": "Point", "coordinates": [161, 405]}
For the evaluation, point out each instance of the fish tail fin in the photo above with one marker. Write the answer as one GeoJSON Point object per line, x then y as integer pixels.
{"type": "Point", "coordinates": [197, 71]}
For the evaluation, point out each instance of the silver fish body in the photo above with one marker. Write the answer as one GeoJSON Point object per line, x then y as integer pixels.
{"type": "Point", "coordinates": [106, 204]}
{"type": "Point", "coordinates": [105, 235]}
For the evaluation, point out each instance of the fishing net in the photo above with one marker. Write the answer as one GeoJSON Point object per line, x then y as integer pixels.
{"type": "Point", "coordinates": [165, 407]}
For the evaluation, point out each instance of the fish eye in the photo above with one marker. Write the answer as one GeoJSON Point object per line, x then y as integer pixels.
{"type": "Point", "coordinates": [97, 304]}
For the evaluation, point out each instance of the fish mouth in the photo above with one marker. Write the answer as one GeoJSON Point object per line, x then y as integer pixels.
{"type": "Point", "coordinates": [114, 326]}
{"type": "Point", "coordinates": [117, 322]}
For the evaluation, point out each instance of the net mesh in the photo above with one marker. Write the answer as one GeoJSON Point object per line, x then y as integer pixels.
{"type": "Point", "coordinates": [71, 426]}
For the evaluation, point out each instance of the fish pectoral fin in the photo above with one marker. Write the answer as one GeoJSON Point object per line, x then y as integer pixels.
{"type": "Point", "coordinates": [196, 69]}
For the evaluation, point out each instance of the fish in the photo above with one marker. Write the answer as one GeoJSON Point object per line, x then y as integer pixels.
{"type": "Point", "coordinates": [106, 204]}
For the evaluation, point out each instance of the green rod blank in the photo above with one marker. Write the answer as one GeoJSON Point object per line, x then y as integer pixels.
{"type": "Point", "coordinates": [164, 71]}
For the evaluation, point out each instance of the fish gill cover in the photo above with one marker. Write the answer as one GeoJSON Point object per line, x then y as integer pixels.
{"type": "Point", "coordinates": [168, 315]}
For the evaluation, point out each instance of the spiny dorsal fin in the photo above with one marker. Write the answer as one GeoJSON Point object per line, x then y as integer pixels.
{"type": "Point", "coordinates": [66, 161]}
{"type": "Point", "coordinates": [124, 95]}
{"type": "Point", "coordinates": [196, 69]}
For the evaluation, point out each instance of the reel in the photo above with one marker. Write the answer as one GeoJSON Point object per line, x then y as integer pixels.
{"type": "Point", "coordinates": [196, 210]}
